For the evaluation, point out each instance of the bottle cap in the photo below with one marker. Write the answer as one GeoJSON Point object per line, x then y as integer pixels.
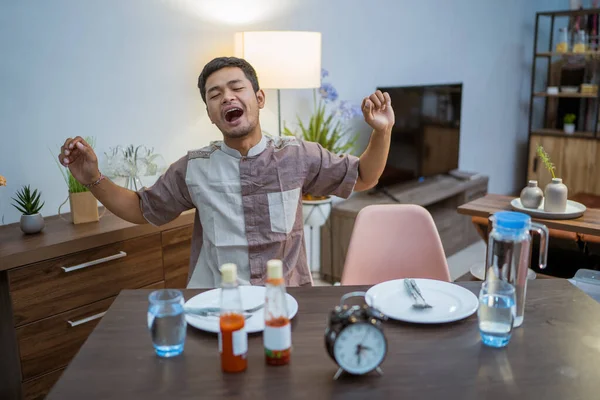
{"type": "Point", "coordinates": [229, 273]}
{"type": "Point", "coordinates": [274, 269]}
{"type": "Point", "coordinates": [512, 220]}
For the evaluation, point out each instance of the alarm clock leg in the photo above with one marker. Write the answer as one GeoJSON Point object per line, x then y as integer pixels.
{"type": "Point", "coordinates": [337, 374]}
{"type": "Point", "coordinates": [379, 371]}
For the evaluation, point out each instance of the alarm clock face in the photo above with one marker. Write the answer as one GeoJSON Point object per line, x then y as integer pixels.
{"type": "Point", "coordinates": [360, 348]}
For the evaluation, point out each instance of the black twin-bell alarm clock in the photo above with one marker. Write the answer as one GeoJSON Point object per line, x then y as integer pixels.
{"type": "Point", "coordinates": [354, 337]}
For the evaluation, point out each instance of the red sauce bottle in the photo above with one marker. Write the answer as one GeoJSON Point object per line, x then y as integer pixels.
{"type": "Point", "coordinates": [277, 336]}
{"type": "Point", "coordinates": [233, 339]}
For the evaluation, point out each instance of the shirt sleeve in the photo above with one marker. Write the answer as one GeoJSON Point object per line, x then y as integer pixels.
{"type": "Point", "coordinates": [328, 174]}
{"type": "Point", "coordinates": [168, 197]}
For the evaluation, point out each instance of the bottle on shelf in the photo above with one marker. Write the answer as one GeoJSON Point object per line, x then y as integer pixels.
{"type": "Point", "coordinates": [562, 44]}
{"type": "Point", "coordinates": [580, 45]}
{"type": "Point", "coordinates": [277, 336]}
{"type": "Point", "coordinates": [233, 338]}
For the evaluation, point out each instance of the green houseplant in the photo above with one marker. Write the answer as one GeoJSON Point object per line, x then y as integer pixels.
{"type": "Point", "coordinates": [569, 123]}
{"type": "Point", "coordinates": [29, 203]}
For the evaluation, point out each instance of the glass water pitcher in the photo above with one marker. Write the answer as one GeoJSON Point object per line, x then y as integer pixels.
{"type": "Point", "coordinates": [509, 253]}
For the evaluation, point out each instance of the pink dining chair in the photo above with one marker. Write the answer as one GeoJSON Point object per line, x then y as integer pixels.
{"type": "Point", "coordinates": [392, 242]}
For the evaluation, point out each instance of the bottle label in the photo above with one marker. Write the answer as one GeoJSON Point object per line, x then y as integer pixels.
{"type": "Point", "coordinates": [240, 342]}
{"type": "Point", "coordinates": [278, 338]}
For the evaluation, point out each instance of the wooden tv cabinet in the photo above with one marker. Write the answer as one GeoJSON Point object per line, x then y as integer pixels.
{"type": "Point", "coordinates": [440, 195]}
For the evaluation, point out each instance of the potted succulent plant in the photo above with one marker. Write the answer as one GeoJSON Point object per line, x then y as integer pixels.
{"type": "Point", "coordinates": [556, 192]}
{"type": "Point", "coordinates": [326, 126]}
{"type": "Point", "coordinates": [28, 203]}
{"type": "Point", "coordinates": [569, 123]}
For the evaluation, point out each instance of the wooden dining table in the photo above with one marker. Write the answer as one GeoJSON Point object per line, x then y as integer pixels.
{"type": "Point", "coordinates": [555, 354]}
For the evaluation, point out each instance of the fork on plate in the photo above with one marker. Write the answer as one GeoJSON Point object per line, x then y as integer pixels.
{"type": "Point", "coordinates": [419, 301]}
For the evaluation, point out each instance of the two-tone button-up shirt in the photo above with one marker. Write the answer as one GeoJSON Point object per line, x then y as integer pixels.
{"type": "Point", "coordinates": [248, 208]}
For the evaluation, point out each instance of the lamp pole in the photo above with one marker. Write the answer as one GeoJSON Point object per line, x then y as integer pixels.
{"type": "Point", "coordinates": [279, 111]}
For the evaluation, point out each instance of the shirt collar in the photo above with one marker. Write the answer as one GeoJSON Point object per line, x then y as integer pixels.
{"type": "Point", "coordinates": [254, 151]}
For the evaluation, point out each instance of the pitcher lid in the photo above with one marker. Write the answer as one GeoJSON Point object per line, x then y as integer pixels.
{"type": "Point", "coordinates": [512, 220]}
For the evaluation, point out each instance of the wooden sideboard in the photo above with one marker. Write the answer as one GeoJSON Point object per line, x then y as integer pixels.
{"type": "Point", "coordinates": [56, 285]}
{"type": "Point", "coordinates": [440, 195]}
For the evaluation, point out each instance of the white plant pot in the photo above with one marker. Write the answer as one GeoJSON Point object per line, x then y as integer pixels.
{"type": "Point", "coordinates": [316, 212]}
{"type": "Point", "coordinates": [31, 224]}
{"type": "Point", "coordinates": [569, 128]}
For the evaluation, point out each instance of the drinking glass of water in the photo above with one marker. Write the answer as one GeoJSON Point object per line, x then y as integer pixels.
{"type": "Point", "coordinates": [496, 313]}
{"type": "Point", "coordinates": [166, 322]}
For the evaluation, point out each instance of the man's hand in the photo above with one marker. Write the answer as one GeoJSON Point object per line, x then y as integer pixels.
{"type": "Point", "coordinates": [378, 112]}
{"type": "Point", "coordinates": [79, 157]}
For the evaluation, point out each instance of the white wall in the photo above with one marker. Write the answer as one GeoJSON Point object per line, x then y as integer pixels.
{"type": "Point", "coordinates": [125, 71]}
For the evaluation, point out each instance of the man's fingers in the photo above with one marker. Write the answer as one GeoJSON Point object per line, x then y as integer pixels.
{"type": "Point", "coordinates": [375, 100]}
{"type": "Point", "coordinates": [380, 97]}
{"type": "Point", "coordinates": [83, 147]}
{"type": "Point", "coordinates": [387, 98]}
{"type": "Point", "coordinates": [74, 142]}
{"type": "Point", "coordinates": [82, 140]}
{"type": "Point", "coordinates": [367, 108]}
{"type": "Point", "coordinates": [64, 149]}
{"type": "Point", "coordinates": [71, 151]}
{"type": "Point", "coordinates": [71, 157]}
{"type": "Point", "coordinates": [64, 161]}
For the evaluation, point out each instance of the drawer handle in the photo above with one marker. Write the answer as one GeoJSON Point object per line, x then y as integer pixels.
{"type": "Point", "coordinates": [86, 320]}
{"type": "Point", "coordinates": [121, 254]}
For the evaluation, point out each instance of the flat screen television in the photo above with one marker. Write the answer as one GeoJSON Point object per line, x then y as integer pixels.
{"type": "Point", "coordinates": [426, 135]}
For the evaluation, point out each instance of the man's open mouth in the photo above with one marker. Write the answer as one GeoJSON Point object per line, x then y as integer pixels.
{"type": "Point", "coordinates": [233, 114]}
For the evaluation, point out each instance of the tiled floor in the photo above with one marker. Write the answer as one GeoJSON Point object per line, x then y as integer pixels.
{"type": "Point", "coordinates": [459, 264]}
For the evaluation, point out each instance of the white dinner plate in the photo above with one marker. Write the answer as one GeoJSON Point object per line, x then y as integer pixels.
{"type": "Point", "coordinates": [252, 296]}
{"type": "Point", "coordinates": [573, 210]}
{"type": "Point", "coordinates": [450, 302]}
{"type": "Point", "coordinates": [477, 270]}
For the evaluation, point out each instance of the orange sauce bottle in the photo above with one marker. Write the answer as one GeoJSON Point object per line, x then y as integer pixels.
{"type": "Point", "coordinates": [277, 336]}
{"type": "Point", "coordinates": [233, 339]}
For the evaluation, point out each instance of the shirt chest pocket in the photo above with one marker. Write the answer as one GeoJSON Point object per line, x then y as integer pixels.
{"type": "Point", "coordinates": [283, 207]}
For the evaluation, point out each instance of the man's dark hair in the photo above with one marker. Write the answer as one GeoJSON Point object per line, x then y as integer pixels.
{"type": "Point", "coordinates": [224, 62]}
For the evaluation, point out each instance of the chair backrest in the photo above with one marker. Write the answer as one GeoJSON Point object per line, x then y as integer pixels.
{"type": "Point", "coordinates": [394, 242]}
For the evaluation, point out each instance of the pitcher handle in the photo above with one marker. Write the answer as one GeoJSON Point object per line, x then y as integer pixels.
{"type": "Point", "coordinates": [542, 230]}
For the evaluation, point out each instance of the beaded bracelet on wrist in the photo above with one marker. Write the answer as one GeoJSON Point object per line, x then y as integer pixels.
{"type": "Point", "coordinates": [96, 182]}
